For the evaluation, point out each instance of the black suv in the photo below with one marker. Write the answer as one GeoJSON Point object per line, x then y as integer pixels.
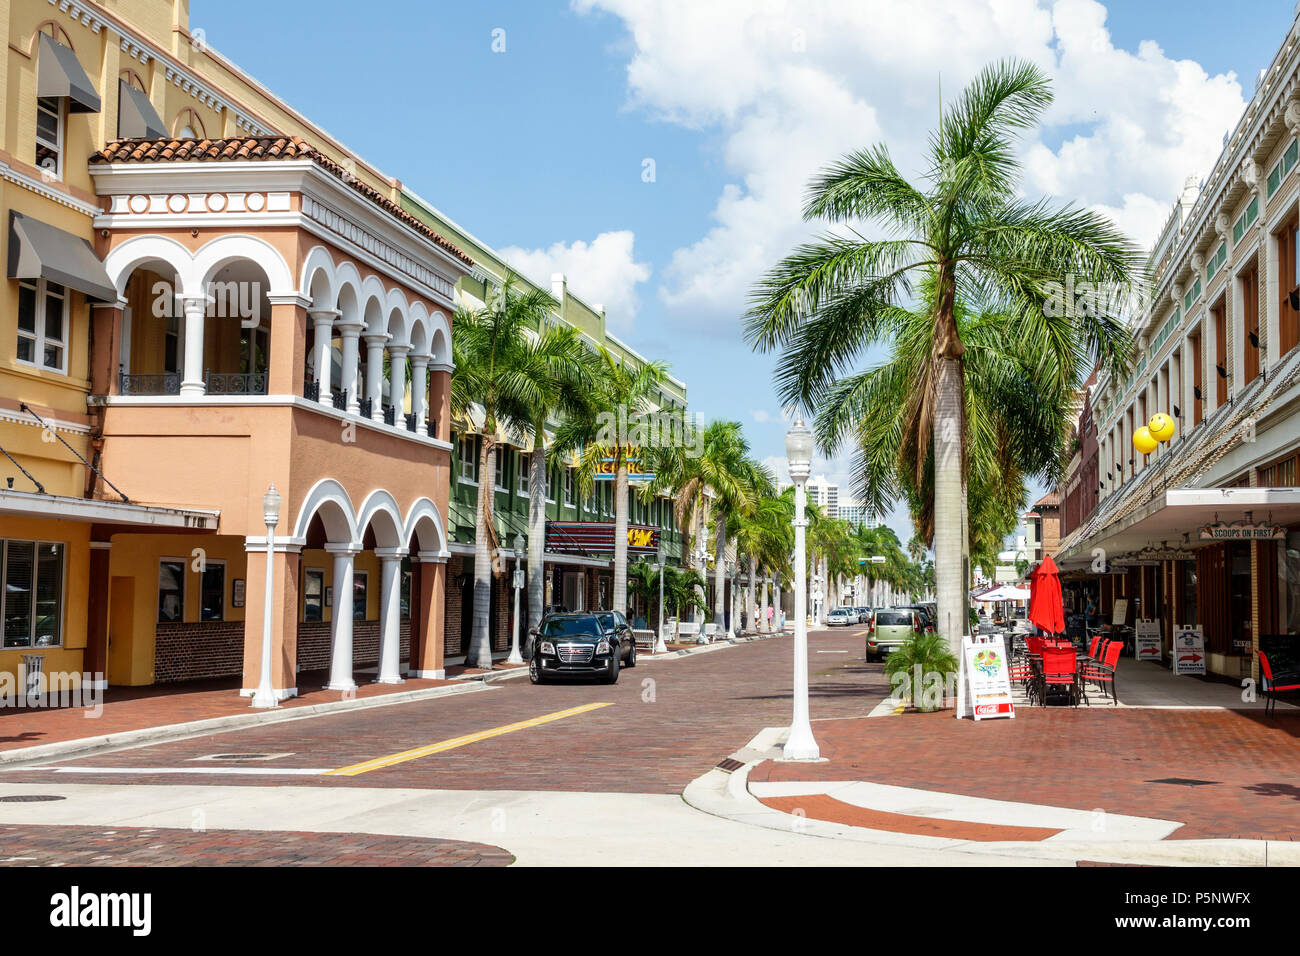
{"type": "Point", "coordinates": [581, 644]}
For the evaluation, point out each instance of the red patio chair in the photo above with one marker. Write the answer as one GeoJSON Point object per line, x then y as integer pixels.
{"type": "Point", "coordinates": [1092, 647]}
{"type": "Point", "coordinates": [1103, 672]}
{"type": "Point", "coordinates": [1271, 687]}
{"type": "Point", "coordinates": [1061, 669]}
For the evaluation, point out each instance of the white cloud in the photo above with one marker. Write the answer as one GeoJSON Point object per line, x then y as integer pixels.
{"type": "Point", "coordinates": [789, 86]}
{"type": "Point", "coordinates": [762, 416]}
{"type": "Point", "coordinates": [603, 272]}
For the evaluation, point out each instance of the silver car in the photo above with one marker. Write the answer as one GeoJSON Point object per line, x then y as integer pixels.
{"type": "Point", "coordinates": [841, 615]}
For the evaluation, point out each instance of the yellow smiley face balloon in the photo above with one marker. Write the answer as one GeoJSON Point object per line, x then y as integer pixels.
{"type": "Point", "coordinates": [1162, 427]}
{"type": "Point", "coordinates": [1144, 441]}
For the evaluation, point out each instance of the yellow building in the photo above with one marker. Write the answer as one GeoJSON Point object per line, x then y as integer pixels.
{"type": "Point", "coordinates": [206, 296]}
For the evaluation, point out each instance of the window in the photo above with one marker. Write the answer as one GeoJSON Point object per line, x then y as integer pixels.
{"type": "Point", "coordinates": [31, 602]}
{"type": "Point", "coordinates": [171, 591]}
{"type": "Point", "coordinates": [360, 587]}
{"type": "Point", "coordinates": [1193, 294]}
{"type": "Point", "coordinates": [468, 459]}
{"type": "Point", "coordinates": [1245, 221]}
{"type": "Point", "coordinates": [1284, 166]}
{"type": "Point", "coordinates": [1250, 323]}
{"type": "Point", "coordinates": [404, 597]}
{"type": "Point", "coordinates": [49, 135]}
{"type": "Point", "coordinates": [499, 478]}
{"type": "Point", "coordinates": [313, 594]}
{"type": "Point", "coordinates": [1288, 318]}
{"type": "Point", "coordinates": [521, 481]}
{"type": "Point", "coordinates": [42, 323]}
{"type": "Point", "coordinates": [1217, 259]}
{"type": "Point", "coordinates": [568, 486]}
{"type": "Point", "coordinates": [212, 591]}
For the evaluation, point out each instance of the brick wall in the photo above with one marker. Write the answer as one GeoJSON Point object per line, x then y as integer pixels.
{"type": "Point", "coordinates": [314, 644]}
{"type": "Point", "coordinates": [198, 649]}
{"type": "Point", "coordinates": [456, 609]}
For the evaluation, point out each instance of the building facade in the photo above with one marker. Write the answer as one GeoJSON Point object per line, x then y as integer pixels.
{"type": "Point", "coordinates": [1205, 531]}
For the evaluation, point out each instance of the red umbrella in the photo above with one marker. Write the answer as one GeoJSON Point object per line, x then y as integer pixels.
{"type": "Point", "coordinates": [1045, 607]}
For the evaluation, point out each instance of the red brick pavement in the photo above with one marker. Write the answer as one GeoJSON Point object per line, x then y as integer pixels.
{"type": "Point", "coordinates": [820, 806]}
{"type": "Point", "coordinates": [1084, 759]}
{"type": "Point", "coordinates": [137, 708]}
{"type": "Point", "coordinates": [132, 846]}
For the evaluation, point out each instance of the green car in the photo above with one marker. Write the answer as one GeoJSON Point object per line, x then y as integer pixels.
{"type": "Point", "coordinates": [889, 628]}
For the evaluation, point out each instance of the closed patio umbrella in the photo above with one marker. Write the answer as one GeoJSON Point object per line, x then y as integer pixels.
{"type": "Point", "coordinates": [1045, 607]}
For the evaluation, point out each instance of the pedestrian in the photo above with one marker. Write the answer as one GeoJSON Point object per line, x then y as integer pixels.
{"type": "Point", "coordinates": [769, 617]}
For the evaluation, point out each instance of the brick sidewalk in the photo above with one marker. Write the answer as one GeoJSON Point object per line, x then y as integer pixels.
{"type": "Point", "coordinates": [140, 708]}
{"type": "Point", "coordinates": [131, 846]}
{"type": "Point", "coordinates": [1224, 774]}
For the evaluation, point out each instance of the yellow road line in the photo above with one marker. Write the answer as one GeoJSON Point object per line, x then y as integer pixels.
{"type": "Point", "coordinates": [381, 762]}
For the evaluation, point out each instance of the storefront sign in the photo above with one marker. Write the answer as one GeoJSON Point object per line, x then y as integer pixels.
{"type": "Point", "coordinates": [983, 683]}
{"type": "Point", "coordinates": [1242, 531]}
{"type": "Point", "coordinates": [607, 468]}
{"type": "Point", "coordinates": [1189, 650]}
{"type": "Point", "coordinates": [1148, 640]}
{"type": "Point", "coordinates": [598, 536]}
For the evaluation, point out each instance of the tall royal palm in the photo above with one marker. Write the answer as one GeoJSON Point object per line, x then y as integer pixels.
{"type": "Point", "coordinates": [969, 229]}
{"type": "Point", "coordinates": [499, 371]}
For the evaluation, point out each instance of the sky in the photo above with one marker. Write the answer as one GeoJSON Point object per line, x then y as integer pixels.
{"type": "Point", "coordinates": [657, 151]}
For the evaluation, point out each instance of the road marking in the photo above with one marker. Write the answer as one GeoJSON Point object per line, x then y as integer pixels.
{"type": "Point", "coordinates": [381, 762]}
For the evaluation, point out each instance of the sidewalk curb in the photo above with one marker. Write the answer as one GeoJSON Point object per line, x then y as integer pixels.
{"type": "Point", "coordinates": [726, 794]}
{"type": "Point", "coordinates": [515, 672]}
{"type": "Point", "coordinates": [166, 732]}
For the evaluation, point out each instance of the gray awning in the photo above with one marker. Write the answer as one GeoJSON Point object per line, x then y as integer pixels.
{"type": "Point", "coordinates": [136, 117]}
{"type": "Point", "coordinates": [38, 250]}
{"type": "Point", "coordinates": [59, 73]}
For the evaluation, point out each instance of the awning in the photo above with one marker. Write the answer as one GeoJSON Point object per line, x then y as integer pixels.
{"type": "Point", "coordinates": [1005, 593]}
{"type": "Point", "coordinates": [38, 250]}
{"type": "Point", "coordinates": [136, 117]}
{"type": "Point", "coordinates": [94, 511]}
{"type": "Point", "coordinates": [59, 73]}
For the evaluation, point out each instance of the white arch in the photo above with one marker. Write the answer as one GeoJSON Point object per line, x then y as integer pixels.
{"type": "Point", "coordinates": [440, 339]}
{"type": "Point", "coordinates": [217, 252]}
{"type": "Point", "coordinates": [424, 510]}
{"type": "Point", "coordinates": [397, 317]}
{"type": "Point", "coordinates": [372, 300]}
{"type": "Point", "coordinates": [134, 252]}
{"type": "Point", "coordinates": [338, 516]}
{"type": "Point", "coordinates": [318, 278]}
{"type": "Point", "coordinates": [388, 534]}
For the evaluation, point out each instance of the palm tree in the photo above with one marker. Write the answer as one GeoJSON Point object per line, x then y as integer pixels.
{"type": "Point", "coordinates": [764, 536]}
{"type": "Point", "coordinates": [497, 368]}
{"type": "Point", "coordinates": [623, 392]}
{"type": "Point", "coordinates": [970, 232]}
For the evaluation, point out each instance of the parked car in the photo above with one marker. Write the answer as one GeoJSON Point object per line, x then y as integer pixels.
{"type": "Point", "coordinates": [841, 615]}
{"type": "Point", "coordinates": [927, 618]}
{"type": "Point", "coordinates": [581, 644]}
{"type": "Point", "coordinates": [864, 614]}
{"type": "Point", "coordinates": [889, 628]}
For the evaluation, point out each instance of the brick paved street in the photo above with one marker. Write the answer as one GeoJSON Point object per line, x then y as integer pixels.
{"type": "Point", "coordinates": [97, 846]}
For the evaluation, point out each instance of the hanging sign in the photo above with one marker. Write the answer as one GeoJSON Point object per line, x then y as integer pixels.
{"type": "Point", "coordinates": [982, 680]}
{"type": "Point", "coordinates": [1189, 650]}
{"type": "Point", "coordinates": [1120, 613]}
{"type": "Point", "coordinates": [1148, 640]}
{"type": "Point", "coordinates": [1242, 531]}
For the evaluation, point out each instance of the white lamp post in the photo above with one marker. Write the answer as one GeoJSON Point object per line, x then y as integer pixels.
{"type": "Point", "coordinates": [701, 562]}
{"type": "Point", "coordinates": [660, 646]}
{"type": "Point", "coordinates": [518, 582]}
{"type": "Point", "coordinates": [265, 695]}
{"type": "Point", "coordinates": [800, 745]}
{"type": "Point", "coordinates": [731, 604]}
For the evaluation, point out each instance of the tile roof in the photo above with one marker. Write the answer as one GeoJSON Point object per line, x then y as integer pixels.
{"type": "Point", "coordinates": [259, 149]}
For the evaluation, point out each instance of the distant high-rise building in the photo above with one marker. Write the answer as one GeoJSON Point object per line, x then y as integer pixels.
{"type": "Point", "coordinates": [825, 495]}
{"type": "Point", "coordinates": [857, 513]}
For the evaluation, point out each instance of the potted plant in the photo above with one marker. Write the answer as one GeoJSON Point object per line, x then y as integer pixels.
{"type": "Point", "coordinates": [920, 669]}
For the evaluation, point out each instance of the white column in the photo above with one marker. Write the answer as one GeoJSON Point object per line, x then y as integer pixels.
{"type": "Point", "coordinates": [419, 385]}
{"type": "Point", "coordinates": [192, 380]}
{"type": "Point", "coordinates": [322, 321]}
{"type": "Point", "coordinates": [397, 380]}
{"type": "Point", "coordinates": [341, 621]}
{"type": "Point", "coordinates": [349, 331]}
{"type": "Point", "coordinates": [390, 615]}
{"type": "Point", "coordinates": [375, 342]}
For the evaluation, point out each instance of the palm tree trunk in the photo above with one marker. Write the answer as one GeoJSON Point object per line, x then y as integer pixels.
{"type": "Point", "coordinates": [479, 652]}
{"type": "Point", "coordinates": [620, 539]}
{"type": "Point", "coordinates": [762, 608]}
{"type": "Point", "coordinates": [948, 507]}
{"type": "Point", "coordinates": [536, 532]}
{"type": "Point", "coordinates": [720, 573]}
{"type": "Point", "coordinates": [749, 594]}
{"type": "Point", "coordinates": [698, 540]}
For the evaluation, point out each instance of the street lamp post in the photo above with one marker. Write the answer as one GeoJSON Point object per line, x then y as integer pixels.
{"type": "Point", "coordinates": [701, 562]}
{"type": "Point", "coordinates": [518, 582]}
{"type": "Point", "coordinates": [800, 745]}
{"type": "Point", "coordinates": [660, 646]}
{"type": "Point", "coordinates": [731, 600]}
{"type": "Point", "coordinates": [265, 695]}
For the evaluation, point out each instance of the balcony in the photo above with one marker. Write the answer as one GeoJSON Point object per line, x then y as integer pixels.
{"type": "Point", "coordinates": [169, 383]}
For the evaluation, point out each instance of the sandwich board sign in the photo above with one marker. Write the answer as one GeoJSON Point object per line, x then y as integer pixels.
{"type": "Point", "coordinates": [1147, 637]}
{"type": "Point", "coordinates": [1189, 650]}
{"type": "Point", "coordinates": [983, 676]}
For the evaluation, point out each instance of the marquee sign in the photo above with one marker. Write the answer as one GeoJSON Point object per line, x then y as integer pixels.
{"type": "Point", "coordinates": [1242, 531]}
{"type": "Point", "coordinates": [599, 536]}
{"type": "Point", "coordinates": [607, 467]}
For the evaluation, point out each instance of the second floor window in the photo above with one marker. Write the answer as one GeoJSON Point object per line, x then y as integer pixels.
{"type": "Point", "coordinates": [521, 483]}
{"type": "Point", "coordinates": [568, 486]}
{"type": "Point", "coordinates": [49, 135]}
{"type": "Point", "coordinates": [468, 460]}
{"type": "Point", "coordinates": [42, 324]}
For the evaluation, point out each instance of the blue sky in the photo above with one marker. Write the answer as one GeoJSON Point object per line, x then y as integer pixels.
{"type": "Point", "coordinates": [540, 149]}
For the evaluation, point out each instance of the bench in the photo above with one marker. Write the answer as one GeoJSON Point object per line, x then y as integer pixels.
{"type": "Point", "coordinates": [711, 631]}
{"type": "Point", "coordinates": [1282, 681]}
{"type": "Point", "coordinates": [688, 629]}
{"type": "Point", "coordinates": [644, 638]}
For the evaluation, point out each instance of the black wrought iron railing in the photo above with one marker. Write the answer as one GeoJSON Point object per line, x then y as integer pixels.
{"type": "Point", "coordinates": [340, 400]}
{"type": "Point", "coordinates": [149, 383]}
{"type": "Point", "coordinates": [431, 427]}
{"type": "Point", "coordinates": [390, 415]}
{"type": "Point", "coordinates": [311, 391]}
{"type": "Point", "coordinates": [410, 421]}
{"type": "Point", "coordinates": [367, 407]}
{"type": "Point", "coordinates": [235, 383]}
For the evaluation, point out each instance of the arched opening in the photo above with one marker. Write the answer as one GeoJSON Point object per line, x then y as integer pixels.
{"type": "Point", "coordinates": [151, 351]}
{"type": "Point", "coordinates": [237, 330]}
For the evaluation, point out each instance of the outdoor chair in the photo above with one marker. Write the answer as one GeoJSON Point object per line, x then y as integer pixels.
{"type": "Point", "coordinates": [1061, 670]}
{"type": "Point", "coordinates": [1102, 672]}
{"type": "Point", "coordinates": [1271, 686]}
